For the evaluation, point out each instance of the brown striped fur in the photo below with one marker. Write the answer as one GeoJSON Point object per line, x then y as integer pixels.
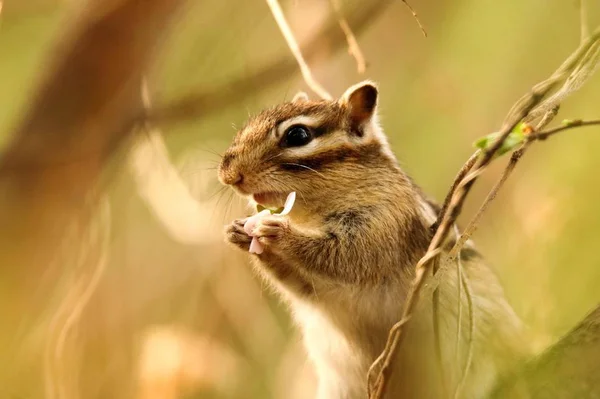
{"type": "Point", "coordinates": [344, 257]}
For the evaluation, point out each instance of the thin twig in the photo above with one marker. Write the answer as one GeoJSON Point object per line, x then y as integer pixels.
{"type": "Point", "coordinates": [353, 47]}
{"type": "Point", "coordinates": [514, 159]}
{"type": "Point", "coordinates": [390, 346]}
{"type": "Point", "coordinates": [576, 78]}
{"type": "Point", "coordinates": [470, 229]}
{"type": "Point", "coordinates": [545, 121]}
{"type": "Point", "coordinates": [435, 245]}
{"type": "Point", "coordinates": [466, 168]}
{"type": "Point", "coordinates": [209, 101]}
{"type": "Point", "coordinates": [416, 17]}
{"type": "Point", "coordinates": [295, 49]}
{"type": "Point", "coordinates": [571, 125]}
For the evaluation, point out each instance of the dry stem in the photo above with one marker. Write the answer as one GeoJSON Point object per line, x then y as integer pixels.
{"type": "Point", "coordinates": [514, 159]}
{"type": "Point", "coordinates": [416, 17]}
{"type": "Point", "coordinates": [572, 125]}
{"type": "Point", "coordinates": [466, 168]}
{"type": "Point", "coordinates": [295, 49]}
{"type": "Point", "coordinates": [353, 47]}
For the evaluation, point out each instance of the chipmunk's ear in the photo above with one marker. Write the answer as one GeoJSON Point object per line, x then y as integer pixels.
{"type": "Point", "coordinates": [300, 97]}
{"type": "Point", "coordinates": [361, 99]}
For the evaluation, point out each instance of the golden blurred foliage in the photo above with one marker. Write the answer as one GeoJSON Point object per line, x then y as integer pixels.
{"type": "Point", "coordinates": [140, 308]}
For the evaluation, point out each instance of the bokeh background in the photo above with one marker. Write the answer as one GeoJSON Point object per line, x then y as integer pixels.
{"type": "Point", "coordinates": [173, 320]}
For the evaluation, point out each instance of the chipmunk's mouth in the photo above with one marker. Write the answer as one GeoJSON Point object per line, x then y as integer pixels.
{"type": "Point", "coordinates": [270, 198]}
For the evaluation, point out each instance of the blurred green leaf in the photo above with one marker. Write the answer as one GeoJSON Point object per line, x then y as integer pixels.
{"type": "Point", "coordinates": [571, 122]}
{"type": "Point", "coordinates": [515, 138]}
{"type": "Point", "coordinates": [260, 208]}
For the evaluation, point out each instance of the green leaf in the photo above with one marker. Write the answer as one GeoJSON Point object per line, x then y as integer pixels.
{"type": "Point", "coordinates": [260, 208]}
{"type": "Point", "coordinates": [516, 137]}
{"type": "Point", "coordinates": [511, 142]}
{"type": "Point", "coordinates": [483, 142]}
{"type": "Point", "coordinates": [571, 122]}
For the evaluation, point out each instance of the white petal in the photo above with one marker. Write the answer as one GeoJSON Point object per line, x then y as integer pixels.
{"type": "Point", "coordinates": [255, 247]}
{"type": "Point", "coordinates": [252, 220]}
{"type": "Point", "coordinates": [289, 203]}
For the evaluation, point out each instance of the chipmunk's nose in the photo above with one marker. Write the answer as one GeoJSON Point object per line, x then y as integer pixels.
{"type": "Point", "coordinates": [228, 172]}
{"type": "Point", "coordinates": [237, 179]}
{"type": "Point", "coordinates": [233, 178]}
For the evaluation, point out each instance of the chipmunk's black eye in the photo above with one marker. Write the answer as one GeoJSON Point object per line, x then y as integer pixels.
{"type": "Point", "coordinates": [296, 136]}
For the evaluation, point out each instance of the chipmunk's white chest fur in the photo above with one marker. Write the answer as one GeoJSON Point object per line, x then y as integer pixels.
{"type": "Point", "coordinates": [339, 365]}
{"type": "Point", "coordinates": [346, 328]}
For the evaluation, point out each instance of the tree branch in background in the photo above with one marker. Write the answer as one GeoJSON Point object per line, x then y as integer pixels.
{"type": "Point", "coordinates": [288, 35]}
{"type": "Point", "coordinates": [89, 257]}
{"type": "Point", "coordinates": [160, 185]}
{"type": "Point", "coordinates": [353, 47]}
{"type": "Point", "coordinates": [237, 90]}
{"type": "Point", "coordinates": [82, 110]}
{"type": "Point", "coordinates": [574, 72]}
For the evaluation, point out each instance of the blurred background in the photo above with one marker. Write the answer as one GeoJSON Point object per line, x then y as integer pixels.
{"type": "Point", "coordinates": [167, 319]}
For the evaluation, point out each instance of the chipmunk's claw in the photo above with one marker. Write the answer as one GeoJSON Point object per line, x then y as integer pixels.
{"type": "Point", "coordinates": [236, 235]}
{"type": "Point", "coordinates": [271, 229]}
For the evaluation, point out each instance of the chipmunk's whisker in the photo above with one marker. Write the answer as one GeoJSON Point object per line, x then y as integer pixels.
{"type": "Point", "coordinates": [303, 166]}
{"type": "Point", "coordinates": [274, 156]}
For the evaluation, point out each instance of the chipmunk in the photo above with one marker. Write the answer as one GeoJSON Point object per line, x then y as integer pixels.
{"type": "Point", "coordinates": [344, 257]}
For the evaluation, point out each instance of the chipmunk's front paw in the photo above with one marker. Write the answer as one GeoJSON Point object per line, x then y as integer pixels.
{"type": "Point", "coordinates": [236, 235]}
{"type": "Point", "coordinates": [271, 231]}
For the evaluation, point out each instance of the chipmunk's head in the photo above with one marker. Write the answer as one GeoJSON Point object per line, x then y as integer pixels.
{"type": "Point", "coordinates": [311, 147]}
